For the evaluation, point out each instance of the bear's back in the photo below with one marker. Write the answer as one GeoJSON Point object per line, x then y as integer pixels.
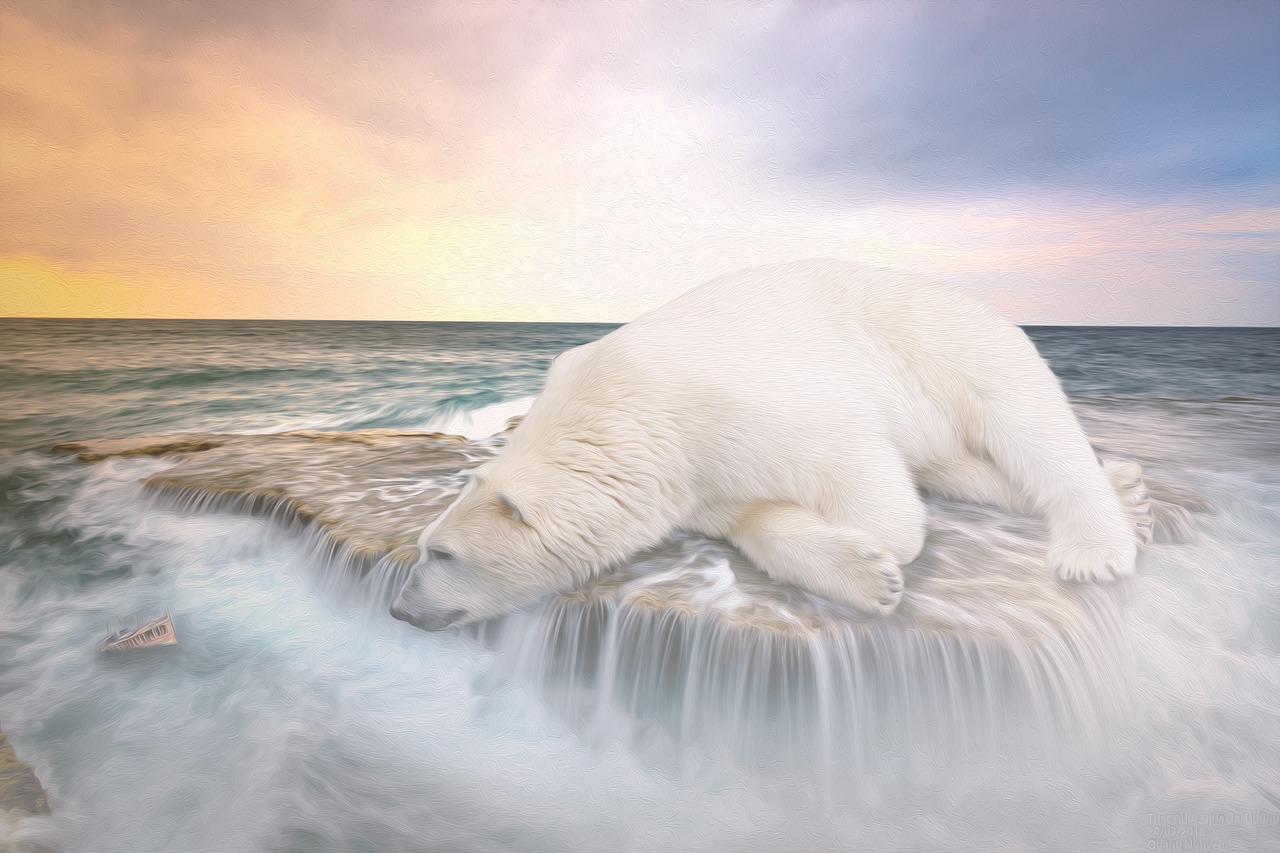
{"type": "Point", "coordinates": [916, 329]}
{"type": "Point", "coordinates": [826, 344]}
{"type": "Point", "coordinates": [776, 370]}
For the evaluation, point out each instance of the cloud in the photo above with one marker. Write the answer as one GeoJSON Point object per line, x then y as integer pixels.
{"type": "Point", "coordinates": [583, 161]}
{"type": "Point", "coordinates": [1131, 99]}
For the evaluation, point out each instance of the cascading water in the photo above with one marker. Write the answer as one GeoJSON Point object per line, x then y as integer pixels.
{"type": "Point", "coordinates": [987, 646]}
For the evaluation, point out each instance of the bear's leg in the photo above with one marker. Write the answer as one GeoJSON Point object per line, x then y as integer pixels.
{"type": "Point", "coordinates": [1035, 440]}
{"type": "Point", "coordinates": [797, 546]}
{"type": "Point", "coordinates": [974, 479]}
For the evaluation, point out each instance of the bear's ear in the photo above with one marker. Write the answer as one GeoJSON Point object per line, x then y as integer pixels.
{"type": "Point", "coordinates": [508, 507]}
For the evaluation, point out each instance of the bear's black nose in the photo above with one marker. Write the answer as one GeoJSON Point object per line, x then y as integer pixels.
{"type": "Point", "coordinates": [399, 612]}
{"type": "Point", "coordinates": [426, 620]}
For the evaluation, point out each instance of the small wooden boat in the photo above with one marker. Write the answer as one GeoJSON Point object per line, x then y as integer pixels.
{"type": "Point", "coordinates": [155, 632]}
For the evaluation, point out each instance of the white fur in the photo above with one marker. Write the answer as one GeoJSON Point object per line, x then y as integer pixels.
{"type": "Point", "coordinates": [794, 410]}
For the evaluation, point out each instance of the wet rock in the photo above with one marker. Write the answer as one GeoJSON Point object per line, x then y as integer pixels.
{"type": "Point", "coordinates": [371, 492]}
{"type": "Point", "coordinates": [368, 492]}
{"type": "Point", "coordinates": [20, 790]}
{"type": "Point", "coordinates": [692, 623]}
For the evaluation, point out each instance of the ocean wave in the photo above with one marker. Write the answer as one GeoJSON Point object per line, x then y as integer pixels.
{"type": "Point", "coordinates": [1135, 398]}
{"type": "Point", "coordinates": [473, 416]}
{"type": "Point", "coordinates": [483, 422]}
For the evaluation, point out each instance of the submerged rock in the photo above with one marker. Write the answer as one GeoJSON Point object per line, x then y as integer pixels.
{"type": "Point", "coordinates": [369, 492]}
{"type": "Point", "coordinates": [20, 790]}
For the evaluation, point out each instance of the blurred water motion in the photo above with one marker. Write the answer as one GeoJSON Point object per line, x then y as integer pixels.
{"type": "Point", "coordinates": [684, 702]}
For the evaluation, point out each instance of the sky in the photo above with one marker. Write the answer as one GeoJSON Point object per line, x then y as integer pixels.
{"type": "Point", "coordinates": [1114, 163]}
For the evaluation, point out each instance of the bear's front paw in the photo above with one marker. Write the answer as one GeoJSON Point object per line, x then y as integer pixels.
{"type": "Point", "coordinates": [1094, 562]}
{"type": "Point", "coordinates": [871, 578]}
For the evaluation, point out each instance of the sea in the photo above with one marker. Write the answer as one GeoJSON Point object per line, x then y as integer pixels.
{"type": "Point", "coordinates": [293, 718]}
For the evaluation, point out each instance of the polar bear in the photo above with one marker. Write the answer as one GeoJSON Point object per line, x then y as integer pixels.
{"type": "Point", "coordinates": [795, 410]}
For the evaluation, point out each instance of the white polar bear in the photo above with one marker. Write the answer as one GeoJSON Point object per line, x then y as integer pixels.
{"type": "Point", "coordinates": [794, 410]}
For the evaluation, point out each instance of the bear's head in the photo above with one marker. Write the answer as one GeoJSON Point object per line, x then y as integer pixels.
{"type": "Point", "coordinates": [505, 542]}
{"type": "Point", "coordinates": [489, 553]}
{"type": "Point", "coordinates": [586, 480]}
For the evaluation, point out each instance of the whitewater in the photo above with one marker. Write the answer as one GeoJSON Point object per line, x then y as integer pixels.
{"type": "Point", "coordinates": [683, 704]}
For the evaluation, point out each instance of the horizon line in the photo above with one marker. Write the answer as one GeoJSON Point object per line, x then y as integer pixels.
{"type": "Point", "coordinates": [572, 322]}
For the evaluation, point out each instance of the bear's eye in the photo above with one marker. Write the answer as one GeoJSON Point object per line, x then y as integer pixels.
{"type": "Point", "coordinates": [439, 554]}
{"type": "Point", "coordinates": [508, 507]}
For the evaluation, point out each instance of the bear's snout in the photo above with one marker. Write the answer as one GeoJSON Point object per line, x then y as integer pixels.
{"type": "Point", "coordinates": [427, 620]}
{"type": "Point", "coordinates": [412, 606]}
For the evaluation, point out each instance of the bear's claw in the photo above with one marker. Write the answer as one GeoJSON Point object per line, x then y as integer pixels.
{"type": "Point", "coordinates": [878, 582]}
{"type": "Point", "coordinates": [1094, 563]}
